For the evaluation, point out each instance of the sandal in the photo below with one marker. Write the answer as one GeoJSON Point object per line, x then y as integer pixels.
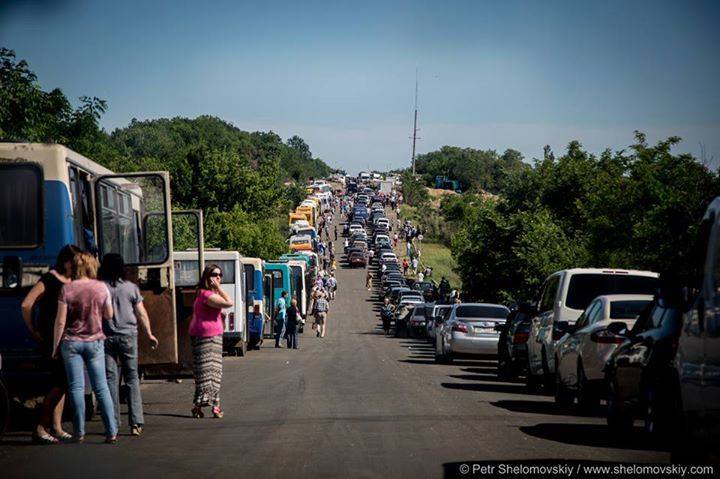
{"type": "Point", "coordinates": [197, 412]}
{"type": "Point", "coordinates": [63, 436]}
{"type": "Point", "coordinates": [111, 440]}
{"type": "Point", "coordinates": [217, 413]}
{"type": "Point", "coordinates": [44, 439]}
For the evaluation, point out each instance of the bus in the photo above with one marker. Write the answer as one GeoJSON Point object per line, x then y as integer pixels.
{"type": "Point", "coordinates": [235, 335]}
{"type": "Point", "coordinates": [254, 295]}
{"type": "Point", "coordinates": [51, 196]}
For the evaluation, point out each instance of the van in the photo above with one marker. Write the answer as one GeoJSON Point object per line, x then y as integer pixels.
{"type": "Point", "coordinates": [563, 297]}
{"type": "Point", "coordinates": [234, 318]}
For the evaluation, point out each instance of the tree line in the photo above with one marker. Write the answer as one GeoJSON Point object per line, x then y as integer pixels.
{"type": "Point", "coordinates": [245, 182]}
{"type": "Point", "coordinates": [635, 208]}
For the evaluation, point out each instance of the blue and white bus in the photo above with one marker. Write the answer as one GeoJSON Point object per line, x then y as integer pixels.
{"type": "Point", "coordinates": [51, 196]}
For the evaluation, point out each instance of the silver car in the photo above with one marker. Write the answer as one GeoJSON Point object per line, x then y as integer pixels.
{"type": "Point", "coordinates": [469, 331]}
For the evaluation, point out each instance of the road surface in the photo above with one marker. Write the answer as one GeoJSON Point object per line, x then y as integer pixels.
{"type": "Point", "coordinates": [354, 404]}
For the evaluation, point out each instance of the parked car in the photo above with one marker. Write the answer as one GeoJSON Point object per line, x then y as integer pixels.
{"type": "Point", "coordinates": [357, 258]}
{"type": "Point", "coordinates": [395, 293]}
{"type": "Point", "coordinates": [581, 354]}
{"type": "Point", "coordinates": [427, 288]}
{"type": "Point", "coordinates": [469, 330]}
{"type": "Point", "coordinates": [410, 296]}
{"type": "Point", "coordinates": [641, 378]}
{"type": "Point", "coordinates": [512, 343]}
{"type": "Point", "coordinates": [563, 298]}
{"type": "Point", "coordinates": [697, 363]}
{"type": "Point", "coordinates": [438, 314]}
{"type": "Point", "coordinates": [388, 257]}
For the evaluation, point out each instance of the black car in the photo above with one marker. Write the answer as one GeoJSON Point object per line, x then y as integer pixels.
{"type": "Point", "coordinates": [427, 288]}
{"type": "Point", "coordinates": [512, 344]}
{"type": "Point", "coordinates": [640, 374]}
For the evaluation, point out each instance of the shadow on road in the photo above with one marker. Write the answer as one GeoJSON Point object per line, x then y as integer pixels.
{"type": "Point", "coordinates": [593, 435]}
{"type": "Point", "coordinates": [494, 387]}
{"type": "Point", "coordinates": [548, 408]}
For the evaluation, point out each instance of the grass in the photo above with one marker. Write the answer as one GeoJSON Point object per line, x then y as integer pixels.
{"type": "Point", "coordinates": [439, 258]}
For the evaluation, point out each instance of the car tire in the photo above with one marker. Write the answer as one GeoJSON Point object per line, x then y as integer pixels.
{"type": "Point", "coordinates": [532, 382]}
{"type": "Point", "coordinates": [548, 379]}
{"type": "Point", "coordinates": [619, 419]}
{"type": "Point", "coordinates": [586, 398]}
{"type": "Point", "coordinates": [563, 398]}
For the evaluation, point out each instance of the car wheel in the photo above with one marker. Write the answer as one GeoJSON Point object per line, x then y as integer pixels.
{"type": "Point", "coordinates": [548, 379]}
{"type": "Point", "coordinates": [587, 400]}
{"type": "Point", "coordinates": [562, 397]}
{"type": "Point", "coordinates": [532, 382]}
{"type": "Point", "coordinates": [619, 420]}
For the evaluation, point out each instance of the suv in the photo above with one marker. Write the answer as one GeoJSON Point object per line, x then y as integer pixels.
{"type": "Point", "coordinates": [563, 297]}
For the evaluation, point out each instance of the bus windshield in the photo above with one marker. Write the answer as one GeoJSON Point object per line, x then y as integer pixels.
{"type": "Point", "coordinates": [20, 206]}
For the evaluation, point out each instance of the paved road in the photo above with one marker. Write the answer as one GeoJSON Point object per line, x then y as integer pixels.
{"type": "Point", "coordinates": [354, 404]}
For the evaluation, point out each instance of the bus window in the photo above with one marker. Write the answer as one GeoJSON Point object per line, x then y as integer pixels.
{"type": "Point", "coordinates": [277, 279]}
{"type": "Point", "coordinates": [21, 208]}
{"type": "Point", "coordinates": [121, 202]}
{"type": "Point", "coordinates": [82, 212]}
{"type": "Point", "coordinates": [228, 269]}
{"type": "Point", "coordinates": [249, 277]}
{"type": "Point", "coordinates": [186, 272]}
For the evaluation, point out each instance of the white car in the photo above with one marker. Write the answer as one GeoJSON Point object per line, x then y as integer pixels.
{"type": "Point", "coordinates": [388, 257]}
{"type": "Point", "coordinates": [469, 330]}
{"type": "Point", "coordinates": [439, 313]}
{"type": "Point", "coordinates": [581, 355]}
{"type": "Point", "coordinates": [563, 298]}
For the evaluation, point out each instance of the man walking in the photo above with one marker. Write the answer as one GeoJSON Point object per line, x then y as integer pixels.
{"type": "Point", "coordinates": [320, 309]}
{"type": "Point", "coordinates": [280, 317]}
{"type": "Point", "coordinates": [386, 311]}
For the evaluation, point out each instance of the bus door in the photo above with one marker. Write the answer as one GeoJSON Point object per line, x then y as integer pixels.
{"type": "Point", "coordinates": [188, 234]}
{"type": "Point", "coordinates": [269, 291]}
{"type": "Point", "coordinates": [133, 219]}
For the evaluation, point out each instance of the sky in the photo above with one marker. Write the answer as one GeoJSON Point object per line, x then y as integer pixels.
{"type": "Point", "coordinates": [492, 74]}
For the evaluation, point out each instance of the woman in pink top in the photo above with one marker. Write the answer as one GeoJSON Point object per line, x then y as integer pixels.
{"type": "Point", "coordinates": [206, 335]}
{"type": "Point", "coordinates": [82, 306]}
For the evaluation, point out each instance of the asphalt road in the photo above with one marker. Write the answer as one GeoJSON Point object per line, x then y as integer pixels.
{"type": "Point", "coordinates": [354, 404]}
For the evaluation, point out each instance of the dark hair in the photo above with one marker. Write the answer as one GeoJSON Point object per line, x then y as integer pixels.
{"type": "Point", "coordinates": [205, 277]}
{"type": "Point", "coordinates": [67, 253]}
{"type": "Point", "coordinates": [284, 293]}
{"type": "Point", "coordinates": [112, 268]}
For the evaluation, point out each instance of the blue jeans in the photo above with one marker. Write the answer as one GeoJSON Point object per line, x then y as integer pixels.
{"type": "Point", "coordinates": [121, 352]}
{"type": "Point", "coordinates": [293, 338]}
{"type": "Point", "coordinates": [77, 355]}
{"type": "Point", "coordinates": [280, 323]}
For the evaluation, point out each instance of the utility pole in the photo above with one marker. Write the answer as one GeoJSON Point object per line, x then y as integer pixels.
{"type": "Point", "coordinates": [415, 128]}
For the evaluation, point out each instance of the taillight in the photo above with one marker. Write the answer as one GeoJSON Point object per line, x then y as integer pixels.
{"type": "Point", "coordinates": [231, 321]}
{"type": "Point", "coordinates": [520, 337]}
{"type": "Point", "coordinates": [460, 327]}
{"type": "Point", "coordinates": [606, 337]}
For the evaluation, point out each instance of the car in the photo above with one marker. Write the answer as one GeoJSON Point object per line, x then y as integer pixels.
{"type": "Point", "coordinates": [416, 324]}
{"type": "Point", "coordinates": [355, 227]}
{"type": "Point", "coordinates": [383, 222]}
{"type": "Point", "coordinates": [697, 363]}
{"type": "Point", "coordinates": [641, 377]}
{"type": "Point", "coordinates": [581, 354]}
{"type": "Point", "coordinates": [427, 288]}
{"type": "Point", "coordinates": [395, 293]}
{"type": "Point", "coordinates": [512, 344]}
{"type": "Point", "coordinates": [438, 313]}
{"type": "Point", "coordinates": [405, 295]}
{"type": "Point", "coordinates": [563, 297]}
{"type": "Point", "coordinates": [387, 286]}
{"type": "Point", "coordinates": [388, 257]}
{"type": "Point", "coordinates": [357, 258]}
{"type": "Point", "coordinates": [469, 331]}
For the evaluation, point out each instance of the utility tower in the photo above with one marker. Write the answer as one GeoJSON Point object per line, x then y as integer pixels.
{"type": "Point", "coordinates": [415, 128]}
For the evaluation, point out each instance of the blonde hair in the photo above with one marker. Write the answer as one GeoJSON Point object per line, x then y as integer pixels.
{"type": "Point", "coordinates": [84, 266]}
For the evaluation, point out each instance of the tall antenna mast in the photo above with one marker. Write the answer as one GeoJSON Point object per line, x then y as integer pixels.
{"type": "Point", "coordinates": [415, 128]}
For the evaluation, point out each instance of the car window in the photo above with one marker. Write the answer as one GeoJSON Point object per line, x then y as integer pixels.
{"type": "Point", "coordinates": [476, 311]}
{"type": "Point", "coordinates": [549, 293]}
{"type": "Point", "coordinates": [596, 314]}
{"type": "Point", "coordinates": [584, 287]}
{"type": "Point", "coordinates": [627, 309]}
{"type": "Point", "coordinates": [584, 318]}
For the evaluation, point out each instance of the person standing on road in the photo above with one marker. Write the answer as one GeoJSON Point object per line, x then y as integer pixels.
{"type": "Point", "coordinates": [368, 280]}
{"type": "Point", "coordinates": [320, 310]}
{"type": "Point", "coordinates": [293, 321]}
{"type": "Point", "coordinates": [121, 342]}
{"type": "Point", "coordinates": [280, 317]}
{"type": "Point", "coordinates": [336, 233]}
{"type": "Point", "coordinates": [45, 295]}
{"type": "Point", "coordinates": [386, 311]}
{"type": "Point", "coordinates": [206, 336]}
{"type": "Point", "coordinates": [256, 328]}
{"type": "Point", "coordinates": [85, 301]}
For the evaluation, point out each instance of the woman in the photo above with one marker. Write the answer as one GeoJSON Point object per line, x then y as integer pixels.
{"type": "Point", "coordinates": [82, 306]}
{"type": "Point", "coordinates": [45, 295]}
{"type": "Point", "coordinates": [121, 349]}
{"type": "Point", "coordinates": [293, 322]}
{"type": "Point", "coordinates": [206, 332]}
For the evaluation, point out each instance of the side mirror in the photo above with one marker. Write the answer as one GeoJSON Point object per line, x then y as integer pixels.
{"type": "Point", "coordinates": [12, 272]}
{"type": "Point", "coordinates": [618, 328]}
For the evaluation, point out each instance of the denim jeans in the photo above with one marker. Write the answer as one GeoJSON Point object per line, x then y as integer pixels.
{"type": "Point", "coordinates": [77, 355]}
{"type": "Point", "coordinates": [122, 351]}
{"type": "Point", "coordinates": [280, 323]}
{"type": "Point", "coordinates": [293, 338]}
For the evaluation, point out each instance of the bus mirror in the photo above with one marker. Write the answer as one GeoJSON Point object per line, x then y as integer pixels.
{"type": "Point", "coordinates": [12, 272]}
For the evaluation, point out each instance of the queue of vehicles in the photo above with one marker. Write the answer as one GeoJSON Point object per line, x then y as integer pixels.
{"type": "Point", "coordinates": [53, 196]}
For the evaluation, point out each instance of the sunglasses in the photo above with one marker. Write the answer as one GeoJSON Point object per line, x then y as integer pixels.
{"type": "Point", "coordinates": [216, 275]}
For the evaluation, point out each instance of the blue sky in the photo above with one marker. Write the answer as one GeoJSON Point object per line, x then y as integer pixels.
{"type": "Point", "coordinates": [505, 74]}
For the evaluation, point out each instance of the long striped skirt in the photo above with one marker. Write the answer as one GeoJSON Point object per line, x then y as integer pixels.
{"type": "Point", "coordinates": [207, 369]}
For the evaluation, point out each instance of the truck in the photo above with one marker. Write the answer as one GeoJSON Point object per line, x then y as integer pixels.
{"type": "Point", "coordinates": [386, 187]}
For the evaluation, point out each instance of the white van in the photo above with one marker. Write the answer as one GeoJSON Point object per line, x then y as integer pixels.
{"type": "Point", "coordinates": [186, 263]}
{"type": "Point", "coordinates": [563, 298]}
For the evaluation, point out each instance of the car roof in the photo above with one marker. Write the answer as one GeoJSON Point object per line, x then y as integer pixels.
{"type": "Point", "coordinates": [634, 272]}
